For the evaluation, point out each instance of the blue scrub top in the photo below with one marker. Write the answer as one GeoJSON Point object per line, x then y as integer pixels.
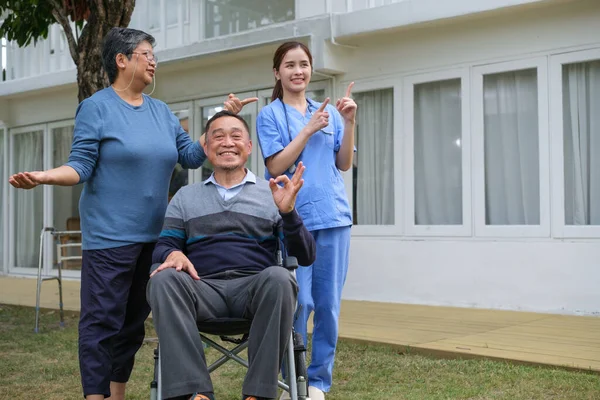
{"type": "Point", "coordinates": [322, 202]}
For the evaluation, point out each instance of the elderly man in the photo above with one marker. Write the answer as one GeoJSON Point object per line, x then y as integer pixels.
{"type": "Point", "coordinates": [217, 259]}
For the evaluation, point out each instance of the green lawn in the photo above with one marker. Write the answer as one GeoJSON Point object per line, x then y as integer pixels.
{"type": "Point", "coordinates": [45, 366]}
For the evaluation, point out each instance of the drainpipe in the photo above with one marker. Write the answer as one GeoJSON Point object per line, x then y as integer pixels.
{"type": "Point", "coordinates": [329, 9]}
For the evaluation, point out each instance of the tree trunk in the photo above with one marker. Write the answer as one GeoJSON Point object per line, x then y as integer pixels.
{"type": "Point", "coordinates": [86, 50]}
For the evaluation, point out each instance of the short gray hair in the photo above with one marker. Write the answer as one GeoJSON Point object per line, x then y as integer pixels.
{"type": "Point", "coordinates": [124, 41]}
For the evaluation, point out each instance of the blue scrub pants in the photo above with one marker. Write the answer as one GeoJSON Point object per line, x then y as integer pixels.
{"type": "Point", "coordinates": [321, 291]}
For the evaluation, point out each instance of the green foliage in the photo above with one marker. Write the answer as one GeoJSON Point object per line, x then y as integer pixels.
{"type": "Point", "coordinates": [26, 20]}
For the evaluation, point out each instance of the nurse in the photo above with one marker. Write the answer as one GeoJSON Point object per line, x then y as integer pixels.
{"type": "Point", "coordinates": [294, 128]}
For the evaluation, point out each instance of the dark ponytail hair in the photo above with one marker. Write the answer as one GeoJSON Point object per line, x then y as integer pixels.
{"type": "Point", "coordinates": [278, 59]}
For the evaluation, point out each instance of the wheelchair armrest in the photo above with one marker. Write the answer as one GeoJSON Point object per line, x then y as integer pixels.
{"type": "Point", "coordinates": [290, 263]}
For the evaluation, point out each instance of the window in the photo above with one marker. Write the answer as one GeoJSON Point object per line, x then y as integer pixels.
{"type": "Point", "coordinates": [437, 153]}
{"type": "Point", "coordinates": [581, 142]}
{"type": "Point", "coordinates": [172, 9]}
{"type": "Point", "coordinates": [373, 170]}
{"type": "Point", "coordinates": [65, 199]}
{"type": "Point", "coordinates": [224, 17]}
{"type": "Point", "coordinates": [512, 189]}
{"type": "Point", "coordinates": [575, 124]}
{"type": "Point", "coordinates": [3, 187]}
{"type": "Point", "coordinates": [180, 175]}
{"type": "Point", "coordinates": [27, 205]}
{"type": "Point", "coordinates": [511, 149]}
{"type": "Point", "coordinates": [3, 51]}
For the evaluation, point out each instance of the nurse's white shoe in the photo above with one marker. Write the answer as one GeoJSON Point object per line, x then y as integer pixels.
{"type": "Point", "coordinates": [315, 393]}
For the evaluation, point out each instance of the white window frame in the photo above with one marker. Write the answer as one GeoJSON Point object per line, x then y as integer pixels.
{"type": "Point", "coordinates": [5, 204]}
{"type": "Point", "coordinates": [394, 83]}
{"type": "Point", "coordinates": [182, 18]}
{"type": "Point", "coordinates": [48, 164]}
{"type": "Point", "coordinates": [12, 268]}
{"type": "Point", "coordinates": [478, 162]}
{"type": "Point", "coordinates": [560, 229]}
{"type": "Point", "coordinates": [199, 129]}
{"type": "Point", "coordinates": [465, 229]}
{"type": "Point", "coordinates": [49, 200]}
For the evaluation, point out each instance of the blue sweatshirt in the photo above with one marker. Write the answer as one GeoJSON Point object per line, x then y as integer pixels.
{"type": "Point", "coordinates": [125, 155]}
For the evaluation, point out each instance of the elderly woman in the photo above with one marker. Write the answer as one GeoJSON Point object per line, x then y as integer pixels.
{"type": "Point", "coordinates": [125, 146]}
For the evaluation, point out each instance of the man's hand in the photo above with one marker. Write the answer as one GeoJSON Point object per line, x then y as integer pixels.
{"type": "Point", "coordinates": [180, 262]}
{"type": "Point", "coordinates": [28, 180]}
{"type": "Point", "coordinates": [285, 197]}
{"type": "Point", "coordinates": [235, 105]}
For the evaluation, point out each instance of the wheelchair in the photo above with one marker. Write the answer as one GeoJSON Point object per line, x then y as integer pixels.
{"type": "Point", "coordinates": [296, 382]}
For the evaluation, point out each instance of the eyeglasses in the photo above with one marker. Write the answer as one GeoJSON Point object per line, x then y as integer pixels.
{"type": "Point", "coordinates": [149, 56]}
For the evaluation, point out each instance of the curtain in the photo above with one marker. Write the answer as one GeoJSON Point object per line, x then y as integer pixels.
{"type": "Point", "coordinates": [374, 161]}
{"type": "Point", "coordinates": [512, 186]}
{"type": "Point", "coordinates": [581, 127]}
{"type": "Point", "coordinates": [437, 153]}
{"type": "Point", "coordinates": [28, 156]}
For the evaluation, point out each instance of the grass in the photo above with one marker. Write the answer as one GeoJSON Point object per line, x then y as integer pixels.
{"type": "Point", "coordinates": [45, 366]}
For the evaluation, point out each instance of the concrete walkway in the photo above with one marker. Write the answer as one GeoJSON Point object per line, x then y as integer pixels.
{"type": "Point", "coordinates": [548, 339]}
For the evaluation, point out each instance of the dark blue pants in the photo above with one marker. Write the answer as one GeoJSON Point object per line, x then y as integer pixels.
{"type": "Point", "coordinates": [113, 311]}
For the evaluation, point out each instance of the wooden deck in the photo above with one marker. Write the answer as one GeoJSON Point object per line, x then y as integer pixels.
{"type": "Point", "coordinates": [566, 341]}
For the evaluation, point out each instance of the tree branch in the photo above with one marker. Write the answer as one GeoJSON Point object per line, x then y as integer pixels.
{"type": "Point", "coordinates": [61, 17]}
{"type": "Point", "coordinates": [127, 12]}
{"type": "Point", "coordinates": [101, 10]}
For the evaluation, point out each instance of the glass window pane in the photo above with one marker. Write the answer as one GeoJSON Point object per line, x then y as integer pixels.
{"type": "Point", "coordinates": [512, 176]}
{"type": "Point", "coordinates": [207, 113]}
{"type": "Point", "coordinates": [438, 153]}
{"type": "Point", "coordinates": [3, 182]}
{"type": "Point", "coordinates": [581, 130]}
{"type": "Point", "coordinates": [3, 53]}
{"type": "Point", "coordinates": [28, 205]}
{"type": "Point", "coordinates": [154, 12]}
{"type": "Point", "coordinates": [223, 17]}
{"type": "Point", "coordinates": [180, 175]}
{"type": "Point", "coordinates": [66, 200]}
{"type": "Point", "coordinates": [173, 11]}
{"type": "Point", "coordinates": [373, 170]}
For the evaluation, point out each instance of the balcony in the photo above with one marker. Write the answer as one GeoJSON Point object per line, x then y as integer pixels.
{"type": "Point", "coordinates": [195, 28]}
{"type": "Point", "coordinates": [174, 24]}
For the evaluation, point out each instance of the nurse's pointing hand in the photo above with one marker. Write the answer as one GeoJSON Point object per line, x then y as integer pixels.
{"type": "Point", "coordinates": [346, 106]}
{"type": "Point", "coordinates": [319, 120]}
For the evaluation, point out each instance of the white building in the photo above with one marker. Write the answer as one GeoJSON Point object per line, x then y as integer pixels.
{"type": "Point", "coordinates": [478, 135]}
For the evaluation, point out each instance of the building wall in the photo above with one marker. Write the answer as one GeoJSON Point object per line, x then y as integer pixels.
{"type": "Point", "coordinates": [42, 107]}
{"type": "Point", "coordinates": [539, 274]}
{"type": "Point", "coordinates": [545, 274]}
